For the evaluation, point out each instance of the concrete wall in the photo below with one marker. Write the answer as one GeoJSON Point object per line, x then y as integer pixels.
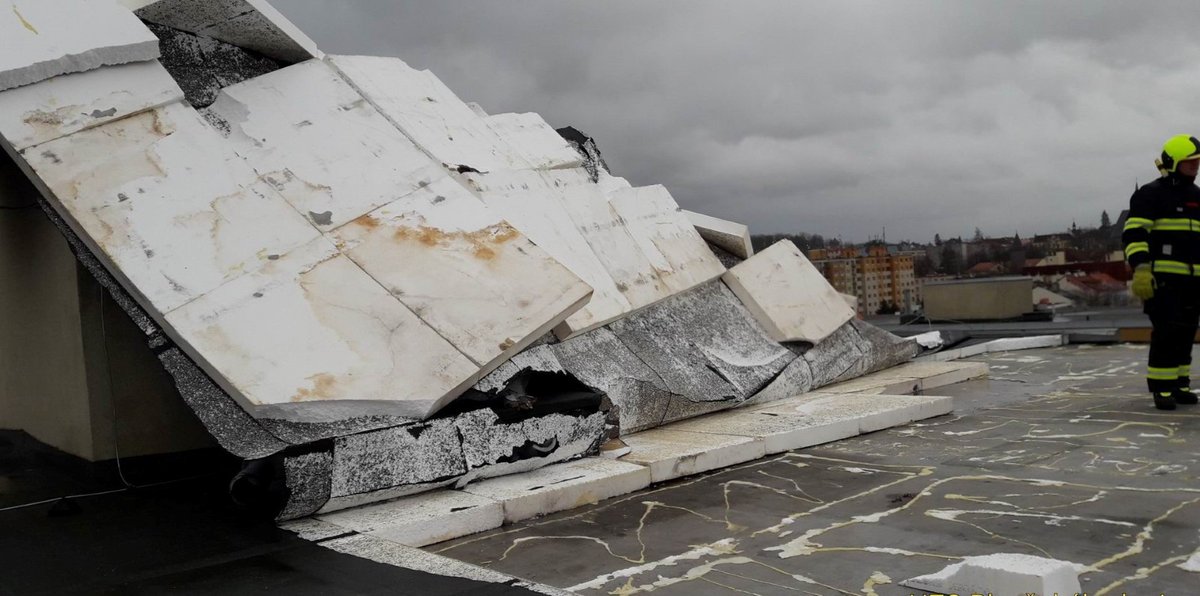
{"type": "Point", "coordinates": [43, 381]}
{"type": "Point", "coordinates": [979, 299]}
{"type": "Point", "coordinates": [127, 381]}
{"type": "Point", "coordinates": [69, 357]}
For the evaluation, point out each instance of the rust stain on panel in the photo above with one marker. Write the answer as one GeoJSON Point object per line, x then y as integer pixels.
{"type": "Point", "coordinates": [432, 236]}
{"type": "Point", "coordinates": [366, 222]}
{"type": "Point", "coordinates": [323, 386]}
{"type": "Point", "coordinates": [483, 243]}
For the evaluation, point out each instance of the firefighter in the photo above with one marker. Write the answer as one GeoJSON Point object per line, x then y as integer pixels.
{"type": "Point", "coordinates": [1162, 246]}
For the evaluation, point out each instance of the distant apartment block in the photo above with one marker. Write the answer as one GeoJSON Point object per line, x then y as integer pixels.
{"type": "Point", "coordinates": [875, 275]}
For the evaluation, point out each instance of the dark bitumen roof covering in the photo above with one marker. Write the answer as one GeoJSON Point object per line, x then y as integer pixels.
{"type": "Point", "coordinates": [1082, 326]}
{"type": "Point", "coordinates": [179, 538]}
{"type": "Point", "coordinates": [1059, 454]}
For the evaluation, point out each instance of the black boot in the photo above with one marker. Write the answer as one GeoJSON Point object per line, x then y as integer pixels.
{"type": "Point", "coordinates": [1184, 397]}
{"type": "Point", "coordinates": [1164, 401]}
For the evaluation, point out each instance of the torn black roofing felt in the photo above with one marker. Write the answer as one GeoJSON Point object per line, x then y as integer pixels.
{"type": "Point", "coordinates": [593, 162]}
{"type": "Point", "coordinates": [202, 66]}
{"type": "Point", "coordinates": [530, 394]}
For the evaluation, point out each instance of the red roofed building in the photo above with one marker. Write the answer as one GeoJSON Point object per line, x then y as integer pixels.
{"type": "Point", "coordinates": [1095, 288]}
{"type": "Point", "coordinates": [984, 268]}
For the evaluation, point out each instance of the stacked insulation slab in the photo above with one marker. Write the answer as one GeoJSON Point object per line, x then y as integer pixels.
{"type": "Point", "coordinates": [325, 251]}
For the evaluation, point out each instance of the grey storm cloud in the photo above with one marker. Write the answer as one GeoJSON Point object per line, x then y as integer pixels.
{"type": "Point", "coordinates": [833, 118]}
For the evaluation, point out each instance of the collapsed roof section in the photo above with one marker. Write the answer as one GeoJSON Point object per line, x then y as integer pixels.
{"type": "Point", "coordinates": [251, 24]}
{"type": "Point", "coordinates": [788, 296]}
{"type": "Point", "coordinates": [306, 254]}
{"type": "Point", "coordinates": [332, 249]}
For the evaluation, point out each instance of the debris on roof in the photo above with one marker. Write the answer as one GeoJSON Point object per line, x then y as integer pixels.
{"type": "Point", "coordinates": [788, 295]}
{"type": "Point", "coordinates": [369, 288]}
{"type": "Point", "coordinates": [537, 419]}
{"type": "Point", "coordinates": [1004, 573]}
{"type": "Point", "coordinates": [731, 236]}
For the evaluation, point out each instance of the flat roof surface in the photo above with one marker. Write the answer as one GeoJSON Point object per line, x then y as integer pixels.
{"type": "Point", "coordinates": [1060, 454]}
{"type": "Point", "coordinates": [181, 538]}
{"type": "Point", "coordinates": [1100, 321]}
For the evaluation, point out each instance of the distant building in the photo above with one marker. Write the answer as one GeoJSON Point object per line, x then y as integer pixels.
{"type": "Point", "coordinates": [1021, 265]}
{"type": "Point", "coordinates": [840, 266]}
{"type": "Point", "coordinates": [1057, 258]}
{"type": "Point", "coordinates": [984, 269]}
{"type": "Point", "coordinates": [935, 253]}
{"type": "Point", "coordinates": [1044, 299]}
{"type": "Point", "coordinates": [1053, 268]}
{"type": "Point", "coordinates": [875, 275]}
{"type": "Point", "coordinates": [983, 299]}
{"type": "Point", "coordinates": [977, 249]}
{"type": "Point", "coordinates": [1052, 243]}
{"type": "Point", "coordinates": [1095, 289]}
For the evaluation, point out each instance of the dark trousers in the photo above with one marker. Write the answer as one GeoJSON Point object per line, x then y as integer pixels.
{"type": "Point", "coordinates": [1175, 312]}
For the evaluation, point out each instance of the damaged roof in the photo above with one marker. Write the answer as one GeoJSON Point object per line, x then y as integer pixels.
{"type": "Point", "coordinates": [326, 250]}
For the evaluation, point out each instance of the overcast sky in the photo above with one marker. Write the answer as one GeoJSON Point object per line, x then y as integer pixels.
{"type": "Point", "coordinates": [838, 118]}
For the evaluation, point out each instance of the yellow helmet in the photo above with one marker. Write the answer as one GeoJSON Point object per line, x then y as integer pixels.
{"type": "Point", "coordinates": [1179, 148]}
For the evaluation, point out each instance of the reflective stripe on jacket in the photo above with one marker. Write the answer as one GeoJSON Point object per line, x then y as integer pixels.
{"type": "Point", "coordinates": [1163, 227]}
